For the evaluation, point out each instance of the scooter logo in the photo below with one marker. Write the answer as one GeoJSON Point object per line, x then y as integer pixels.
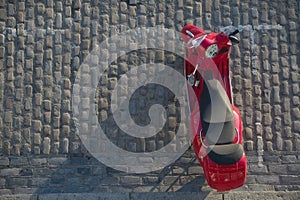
{"type": "Point", "coordinates": [94, 137]}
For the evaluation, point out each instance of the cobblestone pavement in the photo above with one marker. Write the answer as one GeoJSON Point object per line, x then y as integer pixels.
{"type": "Point", "coordinates": [43, 43]}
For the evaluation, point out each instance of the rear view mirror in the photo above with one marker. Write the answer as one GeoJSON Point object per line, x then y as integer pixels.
{"type": "Point", "coordinates": [234, 39]}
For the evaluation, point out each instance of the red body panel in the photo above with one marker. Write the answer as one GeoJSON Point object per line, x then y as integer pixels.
{"type": "Point", "coordinates": [219, 177]}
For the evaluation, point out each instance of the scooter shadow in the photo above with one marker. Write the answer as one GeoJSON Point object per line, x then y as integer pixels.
{"type": "Point", "coordinates": [77, 175]}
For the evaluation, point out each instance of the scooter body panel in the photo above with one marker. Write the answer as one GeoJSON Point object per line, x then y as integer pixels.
{"type": "Point", "coordinates": [219, 177]}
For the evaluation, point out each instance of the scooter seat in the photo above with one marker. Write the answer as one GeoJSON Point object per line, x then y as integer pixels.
{"type": "Point", "coordinates": [225, 154]}
{"type": "Point", "coordinates": [216, 114]}
{"type": "Point", "coordinates": [219, 133]}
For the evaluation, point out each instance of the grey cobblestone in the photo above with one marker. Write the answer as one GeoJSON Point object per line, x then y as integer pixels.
{"type": "Point", "coordinates": [4, 162]}
{"type": "Point", "coordinates": [290, 179]}
{"type": "Point", "coordinates": [19, 161]}
{"type": "Point", "coordinates": [40, 60]}
{"type": "Point", "coordinates": [289, 159]}
{"type": "Point", "coordinates": [10, 172]}
{"type": "Point", "coordinates": [58, 161]}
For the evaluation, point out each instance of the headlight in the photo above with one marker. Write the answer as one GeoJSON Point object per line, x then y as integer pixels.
{"type": "Point", "coordinates": [211, 51]}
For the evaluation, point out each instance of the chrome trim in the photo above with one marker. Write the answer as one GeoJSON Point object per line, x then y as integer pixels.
{"type": "Point", "coordinates": [238, 135]}
{"type": "Point", "coordinates": [202, 140]}
{"type": "Point", "coordinates": [195, 42]}
{"type": "Point", "coordinates": [190, 33]}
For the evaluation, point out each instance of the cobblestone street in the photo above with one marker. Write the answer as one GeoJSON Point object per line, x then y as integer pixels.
{"type": "Point", "coordinates": [44, 43]}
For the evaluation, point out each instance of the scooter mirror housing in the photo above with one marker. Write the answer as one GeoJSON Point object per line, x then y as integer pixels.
{"type": "Point", "coordinates": [234, 39]}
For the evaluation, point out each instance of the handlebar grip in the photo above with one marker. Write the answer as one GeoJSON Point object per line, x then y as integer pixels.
{"type": "Point", "coordinates": [189, 33]}
{"type": "Point", "coordinates": [236, 31]}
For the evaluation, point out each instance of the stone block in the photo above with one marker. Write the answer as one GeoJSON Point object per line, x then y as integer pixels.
{"type": "Point", "coordinates": [10, 61]}
{"type": "Point", "coordinates": [295, 100]}
{"type": "Point", "coordinates": [66, 119]}
{"type": "Point", "coordinates": [58, 161]}
{"type": "Point", "coordinates": [172, 122]}
{"type": "Point", "coordinates": [2, 52]}
{"type": "Point", "coordinates": [248, 133]}
{"type": "Point", "coordinates": [55, 148]}
{"type": "Point", "coordinates": [37, 150]}
{"type": "Point", "coordinates": [4, 162]}
{"type": "Point", "coordinates": [10, 76]}
{"type": "Point", "coordinates": [46, 145]}
{"type": "Point", "coordinates": [130, 180]}
{"type": "Point", "coordinates": [39, 161]}
{"type": "Point", "coordinates": [2, 182]}
{"type": "Point", "coordinates": [37, 113]}
{"type": "Point", "coordinates": [65, 145]}
{"type": "Point", "coordinates": [276, 94]}
{"type": "Point", "coordinates": [268, 179]}
{"type": "Point", "coordinates": [279, 141]}
{"type": "Point", "coordinates": [8, 103]}
{"type": "Point", "coordinates": [39, 59]}
{"type": "Point", "coordinates": [290, 179]}
{"type": "Point", "coordinates": [248, 98]}
{"type": "Point", "coordinates": [9, 172]}
{"type": "Point", "coordinates": [47, 130]}
{"type": "Point", "coordinates": [48, 81]}
{"type": "Point", "coordinates": [258, 128]}
{"type": "Point", "coordinates": [55, 134]}
{"type": "Point", "coordinates": [17, 182]}
{"type": "Point", "coordinates": [277, 124]}
{"type": "Point", "coordinates": [40, 8]}
{"type": "Point", "coordinates": [288, 132]}
{"type": "Point", "coordinates": [85, 33]}
{"type": "Point", "coordinates": [38, 99]}
{"type": "Point", "coordinates": [47, 93]}
{"type": "Point", "coordinates": [7, 117]}
{"type": "Point", "coordinates": [133, 2]}
{"type": "Point", "coordinates": [285, 87]}
{"type": "Point", "coordinates": [288, 145]}
{"type": "Point", "coordinates": [267, 119]}
{"type": "Point", "coordinates": [269, 145]}
{"type": "Point", "coordinates": [295, 88]}
{"type": "Point", "coordinates": [287, 118]}
{"type": "Point", "coordinates": [277, 110]}
{"type": "Point", "coordinates": [296, 126]}
{"type": "Point", "coordinates": [56, 122]}
{"type": "Point", "coordinates": [238, 100]}
{"type": "Point", "coordinates": [47, 105]}
{"type": "Point", "coordinates": [3, 12]}
{"type": "Point", "coordinates": [65, 130]}
{"type": "Point", "coordinates": [37, 138]}
{"type": "Point", "coordinates": [254, 168]}
{"type": "Point", "coordinates": [37, 125]}
{"type": "Point", "coordinates": [19, 162]}
{"type": "Point", "coordinates": [47, 117]}
{"type": "Point", "coordinates": [289, 159]}
{"type": "Point", "coordinates": [294, 168]}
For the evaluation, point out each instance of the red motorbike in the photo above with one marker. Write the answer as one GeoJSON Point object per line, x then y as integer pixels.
{"type": "Point", "coordinates": [216, 124]}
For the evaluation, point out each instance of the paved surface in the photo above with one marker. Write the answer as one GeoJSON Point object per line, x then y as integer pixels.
{"type": "Point", "coordinates": [146, 196]}
{"type": "Point", "coordinates": [43, 43]}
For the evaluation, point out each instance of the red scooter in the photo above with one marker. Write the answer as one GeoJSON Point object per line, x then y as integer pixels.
{"type": "Point", "coordinates": [216, 124]}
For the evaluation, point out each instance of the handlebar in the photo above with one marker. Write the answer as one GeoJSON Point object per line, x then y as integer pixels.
{"type": "Point", "coordinates": [239, 29]}
{"type": "Point", "coordinates": [190, 33]}
{"type": "Point", "coordinates": [195, 42]}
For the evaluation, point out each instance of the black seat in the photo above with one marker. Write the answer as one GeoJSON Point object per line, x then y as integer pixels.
{"type": "Point", "coordinates": [216, 114]}
{"type": "Point", "coordinates": [219, 133]}
{"type": "Point", "coordinates": [218, 124]}
{"type": "Point", "coordinates": [225, 154]}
